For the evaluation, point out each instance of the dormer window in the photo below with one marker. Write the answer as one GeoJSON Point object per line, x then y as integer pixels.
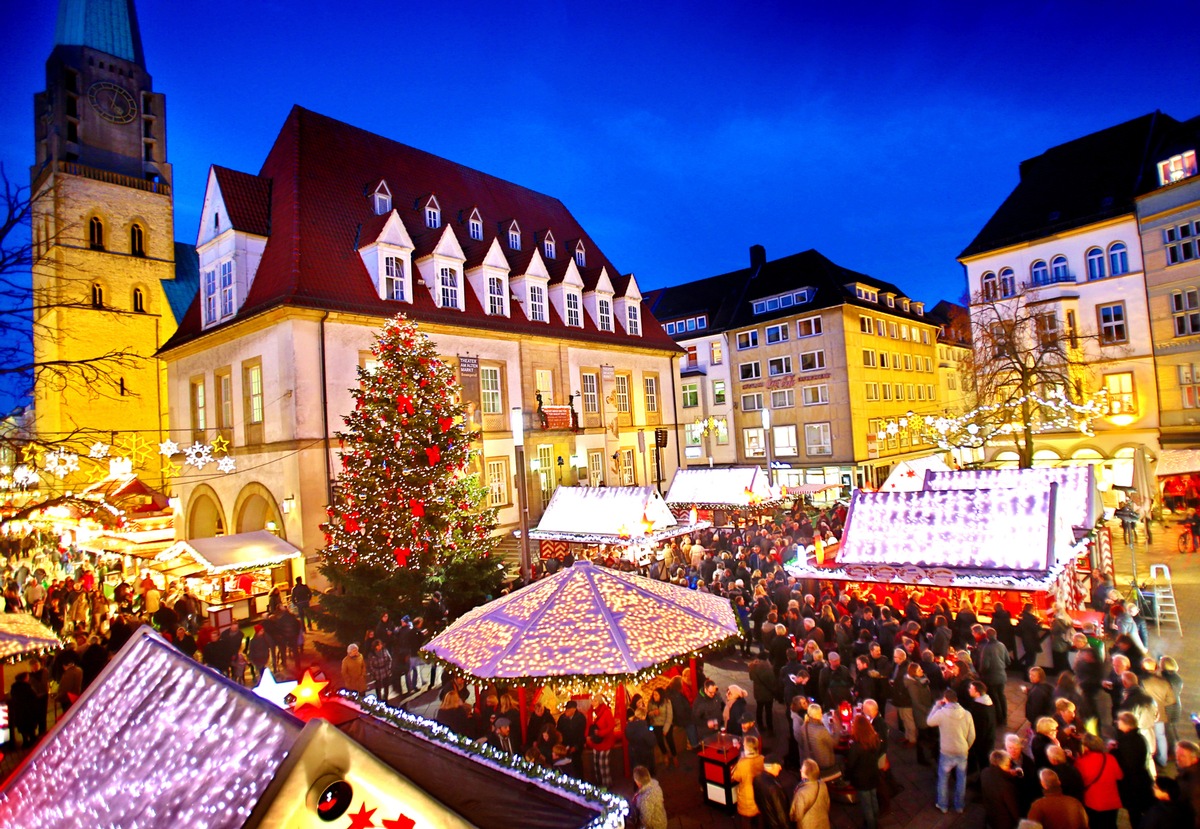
{"type": "Point", "coordinates": [604, 309]}
{"type": "Point", "coordinates": [475, 227]}
{"type": "Point", "coordinates": [574, 310]}
{"type": "Point", "coordinates": [633, 320]}
{"type": "Point", "coordinates": [903, 304]}
{"type": "Point", "coordinates": [1177, 168]}
{"type": "Point", "coordinates": [537, 303]}
{"type": "Point", "coordinates": [381, 199]}
{"type": "Point", "coordinates": [548, 245]}
{"type": "Point", "coordinates": [496, 296]}
{"type": "Point", "coordinates": [448, 288]}
{"type": "Point", "coordinates": [866, 294]}
{"type": "Point", "coordinates": [210, 296]}
{"type": "Point", "coordinates": [433, 213]}
{"type": "Point", "coordinates": [393, 278]}
{"type": "Point", "coordinates": [227, 288]}
{"type": "Point", "coordinates": [580, 255]}
{"type": "Point", "coordinates": [514, 237]}
{"type": "Point", "coordinates": [891, 301]}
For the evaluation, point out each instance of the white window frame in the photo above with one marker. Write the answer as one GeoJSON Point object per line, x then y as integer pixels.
{"type": "Point", "coordinates": [753, 442]}
{"type": "Point", "coordinates": [1185, 311]}
{"type": "Point", "coordinates": [689, 394]}
{"type": "Point", "coordinates": [574, 305]}
{"type": "Point", "coordinates": [496, 296]}
{"type": "Point", "coordinates": [491, 390]}
{"type": "Point", "coordinates": [381, 199]}
{"type": "Point", "coordinates": [720, 393]}
{"type": "Point", "coordinates": [548, 246]}
{"type": "Point", "coordinates": [1182, 242]}
{"type": "Point", "coordinates": [498, 483]}
{"type": "Point", "coordinates": [210, 296]}
{"type": "Point", "coordinates": [747, 340]}
{"type": "Point", "coordinates": [864, 325]}
{"type": "Point", "coordinates": [716, 354]}
{"type": "Point", "coordinates": [448, 287]}
{"type": "Point", "coordinates": [433, 215]}
{"type": "Point", "coordinates": [514, 237]}
{"type": "Point", "coordinates": [872, 391]}
{"type": "Point", "coordinates": [475, 228]}
{"type": "Point", "coordinates": [634, 319]}
{"type": "Point", "coordinates": [590, 383]}
{"type": "Point", "coordinates": [537, 302]}
{"type": "Point", "coordinates": [783, 399]}
{"type": "Point", "coordinates": [784, 441]}
{"type": "Point", "coordinates": [818, 357]}
{"type": "Point", "coordinates": [651, 385]}
{"type": "Point", "coordinates": [580, 255]}
{"type": "Point", "coordinates": [595, 468]}
{"type": "Point", "coordinates": [750, 371]}
{"type": "Point", "coordinates": [628, 469]}
{"type": "Point", "coordinates": [604, 312]}
{"type": "Point", "coordinates": [621, 386]}
{"type": "Point", "coordinates": [779, 366]}
{"type": "Point", "coordinates": [819, 395]}
{"type": "Point", "coordinates": [818, 439]}
{"type": "Point", "coordinates": [1189, 385]}
{"type": "Point", "coordinates": [814, 327]}
{"type": "Point", "coordinates": [752, 402]}
{"type": "Point", "coordinates": [393, 279]}
{"type": "Point", "coordinates": [1109, 330]}
{"type": "Point", "coordinates": [777, 333]}
{"type": "Point", "coordinates": [228, 288]}
{"type": "Point", "coordinates": [869, 357]}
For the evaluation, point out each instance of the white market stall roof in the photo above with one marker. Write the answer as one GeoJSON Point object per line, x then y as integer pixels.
{"type": "Point", "coordinates": [1177, 462]}
{"type": "Point", "coordinates": [609, 515]}
{"type": "Point", "coordinates": [909, 476]}
{"type": "Point", "coordinates": [735, 487]}
{"type": "Point", "coordinates": [584, 621]}
{"type": "Point", "coordinates": [22, 635]}
{"type": "Point", "coordinates": [231, 553]}
{"type": "Point", "coordinates": [1078, 494]}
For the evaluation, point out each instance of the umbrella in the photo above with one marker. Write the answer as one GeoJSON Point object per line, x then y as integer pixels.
{"type": "Point", "coordinates": [1144, 490]}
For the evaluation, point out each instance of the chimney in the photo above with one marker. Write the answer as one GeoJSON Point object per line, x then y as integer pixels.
{"type": "Point", "coordinates": [758, 257]}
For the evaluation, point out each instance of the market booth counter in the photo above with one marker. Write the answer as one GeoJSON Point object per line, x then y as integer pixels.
{"type": "Point", "coordinates": [233, 574]}
{"type": "Point", "coordinates": [718, 755]}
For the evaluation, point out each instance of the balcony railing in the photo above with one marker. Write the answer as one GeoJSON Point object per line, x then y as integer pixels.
{"type": "Point", "coordinates": [75, 169]}
{"type": "Point", "coordinates": [1050, 280]}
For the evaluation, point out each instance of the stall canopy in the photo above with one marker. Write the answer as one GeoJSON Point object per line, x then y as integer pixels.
{"type": "Point", "coordinates": [909, 476]}
{"type": "Point", "coordinates": [233, 553]}
{"type": "Point", "coordinates": [585, 622]}
{"type": "Point", "coordinates": [1079, 497]}
{"type": "Point", "coordinates": [157, 740]}
{"type": "Point", "coordinates": [22, 635]}
{"type": "Point", "coordinates": [735, 487]}
{"type": "Point", "coordinates": [1177, 462]}
{"type": "Point", "coordinates": [616, 515]}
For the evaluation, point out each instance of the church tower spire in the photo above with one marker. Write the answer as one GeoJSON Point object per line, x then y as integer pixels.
{"type": "Point", "coordinates": [108, 26]}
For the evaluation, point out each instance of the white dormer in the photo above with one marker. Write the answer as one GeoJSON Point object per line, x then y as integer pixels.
{"type": "Point", "coordinates": [904, 303]}
{"type": "Point", "coordinates": [530, 289]}
{"type": "Point", "coordinates": [889, 298]}
{"type": "Point", "coordinates": [388, 258]}
{"type": "Point", "coordinates": [442, 272]}
{"type": "Point", "coordinates": [598, 302]}
{"type": "Point", "coordinates": [567, 297]}
{"type": "Point", "coordinates": [629, 309]}
{"type": "Point", "coordinates": [548, 245]}
{"type": "Point", "coordinates": [475, 225]}
{"type": "Point", "coordinates": [433, 213]}
{"type": "Point", "coordinates": [381, 198]}
{"type": "Point", "coordinates": [514, 235]}
{"type": "Point", "coordinates": [918, 308]}
{"type": "Point", "coordinates": [229, 255]}
{"type": "Point", "coordinates": [489, 281]}
{"type": "Point", "coordinates": [580, 254]}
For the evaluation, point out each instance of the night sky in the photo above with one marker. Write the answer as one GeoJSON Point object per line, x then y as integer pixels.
{"type": "Point", "coordinates": [679, 134]}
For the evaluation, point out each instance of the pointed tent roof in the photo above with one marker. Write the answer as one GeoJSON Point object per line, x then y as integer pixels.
{"type": "Point", "coordinates": [613, 510]}
{"type": "Point", "coordinates": [737, 486]}
{"type": "Point", "coordinates": [909, 476]}
{"type": "Point", "coordinates": [108, 26]}
{"type": "Point", "coordinates": [585, 622]}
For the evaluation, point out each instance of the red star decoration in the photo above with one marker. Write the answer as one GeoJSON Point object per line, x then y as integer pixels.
{"type": "Point", "coordinates": [911, 473]}
{"type": "Point", "coordinates": [434, 454]}
{"type": "Point", "coordinates": [402, 822]}
{"type": "Point", "coordinates": [362, 820]}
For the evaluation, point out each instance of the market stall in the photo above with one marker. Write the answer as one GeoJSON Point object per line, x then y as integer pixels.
{"type": "Point", "coordinates": [909, 476]}
{"type": "Point", "coordinates": [250, 763]}
{"type": "Point", "coordinates": [722, 495]}
{"type": "Point", "coordinates": [22, 637]}
{"type": "Point", "coordinates": [627, 523]}
{"type": "Point", "coordinates": [233, 574]}
{"type": "Point", "coordinates": [582, 629]}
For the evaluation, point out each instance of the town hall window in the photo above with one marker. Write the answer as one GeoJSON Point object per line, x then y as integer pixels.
{"type": "Point", "coordinates": [137, 240]}
{"type": "Point", "coordinates": [96, 233]}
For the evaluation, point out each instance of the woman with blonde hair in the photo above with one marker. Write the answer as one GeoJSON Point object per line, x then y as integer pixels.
{"type": "Point", "coordinates": [749, 766]}
{"type": "Point", "coordinates": [735, 706]}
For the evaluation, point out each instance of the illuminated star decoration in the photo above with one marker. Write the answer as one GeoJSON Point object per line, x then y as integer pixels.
{"type": "Point", "coordinates": [137, 448]}
{"type": "Point", "coordinates": [198, 455]}
{"type": "Point", "coordinates": [273, 691]}
{"type": "Point", "coordinates": [362, 818]}
{"type": "Point", "coordinates": [168, 448]}
{"type": "Point", "coordinates": [99, 450]}
{"type": "Point", "coordinates": [402, 822]}
{"type": "Point", "coordinates": [170, 469]}
{"type": "Point", "coordinates": [308, 691]}
{"type": "Point", "coordinates": [227, 464]}
{"type": "Point", "coordinates": [220, 444]}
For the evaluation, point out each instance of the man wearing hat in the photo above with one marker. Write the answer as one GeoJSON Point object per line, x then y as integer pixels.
{"type": "Point", "coordinates": [500, 737]}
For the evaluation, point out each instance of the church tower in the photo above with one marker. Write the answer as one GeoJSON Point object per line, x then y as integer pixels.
{"type": "Point", "coordinates": [104, 271]}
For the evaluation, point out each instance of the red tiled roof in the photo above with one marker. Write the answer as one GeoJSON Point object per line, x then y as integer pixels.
{"type": "Point", "coordinates": [315, 175]}
{"type": "Point", "coordinates": [247, 199]}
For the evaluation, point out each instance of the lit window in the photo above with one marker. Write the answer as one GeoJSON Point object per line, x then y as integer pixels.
{"type": "Point", "coordinates": [818, 439]}
{"type": "Point", "coordinates": [227, 288]}
{"type": "Point", "coordinates": [1189, 385]}
{"type": "Point", "coordinates": [691, 395]}
{"type": "Point", "coordinates": [778, 366]}
{"type": "Point", "coordinates": [1095, 263]}
{"type": "Point", "coordinates": [785, 441]}
{"type": "Point", "coordinates": [1008, 282]}
{"type": "Point", "coordinates": [604, 312]}
{"type": "Point", "coordinates": [651, 384]}
{"type": "Point", "coordinates": [777, 333]}
{"type": "Point", "coordinates": [812, 360]}
{"type": "Point", "coordinates": [254, 394]}
{"type": "Point", "coordinates": [1177, 168]}
{"type": "Point", "coordinates": [1182, 242]}
{"type": "Point", "coordinates": [750, 371]}
{"type": "Point", "coordinates": [747, 339]}
{"type": "Point", "coordinates": [815, 395]}
{"type": "Point", "coordinates": [496, 296]}
{"type": "Point", "coordinates": [752, 442]}
{"type": "Point", "coordinates": [574, 311]}
{"type": "Point", "coordinates": [718, 387]}
{"type": "Point", "coordinates": [491, 396]}
{"type": "Point", "coordinates": [752, 402]}
{"type": "Point", "coordinates": [591, 392]}
{"type": "Point", "coordinates": [1121, 399]}
{"type": "Point", "coordinates": [537, 303]}
{"type": "Point", "coordinates": [635, 323]}
{"type": "Point", "coordinates": [1047, 331]}
{"type": "Point", "coordinates": [497, 473]}
{"type": "Point", "coordinates": [393, 278]}
{"type": "Point", "coordinates": [1118, 258]}
{"type": "Point", "coordinates": [1112, 324]}
{"type": "Point", "coordinates": [693, 434]}
{"type": "Point", "coordinates": [716, 354]}
{"type": "Point", "coordinates": [448, 283]}
{"type": "Point", "coordinates": [1185, 305]}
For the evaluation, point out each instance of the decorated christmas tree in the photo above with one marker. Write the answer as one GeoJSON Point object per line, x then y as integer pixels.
{"type": "Point", "coordinates": [409, 515]}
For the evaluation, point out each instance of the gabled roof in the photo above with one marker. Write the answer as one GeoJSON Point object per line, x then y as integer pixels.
{"type": "Point", "coordinates": [1084, 181]}
{"type": "Point", "coordinates": [316, 171]}
{"type": "Point", "coordinates": [1078, 497]}
{"type": "Point", "coordinates": [735, 486]}
{"type": "Point", "coordinates": [247, 199]}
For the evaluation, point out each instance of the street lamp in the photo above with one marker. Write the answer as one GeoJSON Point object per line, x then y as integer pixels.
{"type": "Point", "coordinates": [517, 424]}
{"type": "Point", "coordinates": [766, 424]}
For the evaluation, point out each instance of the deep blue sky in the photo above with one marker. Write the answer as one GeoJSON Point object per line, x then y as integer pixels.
{"type": "Point", "coordinates": [677, 133]}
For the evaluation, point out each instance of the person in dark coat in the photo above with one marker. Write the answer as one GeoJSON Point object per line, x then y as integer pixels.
{"type": "Point", "coordinates": [1029, 631]}
{"type": "Point", "coordinates": [1068, 776]}
{"type": "Point", "coordinates": [641, 740]}
{"type": "Point", "coordinates": [1039, 696]}
{"type": "Point", "coordinates": [1136, 787]}
{"type": "Point", "coordinates": [22, 709]}
{"type": "Point", "coordinates": [573, 727]}
{"type": "Point", "coordinates": [766, 689]}
{"type": "Point", "coordinates": [707, 712]}
{"type": "Point", "coordinates": [772, 799]}
{"type": "Point", "coordinates": [1170, 809]}
{"type": "Point", "coordinates": [1003, 623]}
{"type": "Point", "coordinates": [983, 714]}
{"type": "Point", "coordinates": [998, 785]}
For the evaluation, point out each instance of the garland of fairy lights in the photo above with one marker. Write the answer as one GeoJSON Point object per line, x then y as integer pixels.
{"type": "Point", "coordinates": [614, 809]}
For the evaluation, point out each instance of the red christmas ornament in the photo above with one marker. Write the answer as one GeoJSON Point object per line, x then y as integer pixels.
{"type": "Point", "coordinates": [352, 524]}
{"type": "Point", "coordinates": [445, 423]}
{"type": "Point", "coordinates": [402, 554]}
{"type": "Point", "coordinates": [404, 404]}
{"type": "Point", "coordinates": [434, 454]}
{"type": "Point", "coordinates": [417, 508]}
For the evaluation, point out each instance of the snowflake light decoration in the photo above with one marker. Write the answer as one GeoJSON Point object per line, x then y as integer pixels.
{"type": "Point", "coordinates": [168, 448]}
{"type": "Point", "coordinates": [198, 454]}
{"type": "Point", "coordinates": [227, 465]}
{"type": "Point", "coordinates": [99, 450]}
{"type": "Point", "coordinates": [61, 463]}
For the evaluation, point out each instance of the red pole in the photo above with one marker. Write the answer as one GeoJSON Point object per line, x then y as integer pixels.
{"type": "Point", "coordinates": [521, 702]}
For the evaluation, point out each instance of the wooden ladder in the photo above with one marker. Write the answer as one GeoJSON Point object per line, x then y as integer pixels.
{"type": "Point", "coordinates": [1164, 598]}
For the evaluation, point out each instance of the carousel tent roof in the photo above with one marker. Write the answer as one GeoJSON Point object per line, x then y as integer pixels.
{"type": "Point", "coordinates": [616, 510]}
{"type": "Point", "coordinates": [230, 553]}
{"type": "Point", "coordinates": [735, 486]}
{"type": "Point", "coordinates": [584, 621]}
{"type": "Point", "coordinates": [22, 634]}
{"type": "Point", "coordinates": [1177, 462]}
{"type": "Point", "coordinates": [158, 740]}
{"type": "Point", "coordinates": [909, 476]}
{"type": "Point", "coordinates": [1079, 499]}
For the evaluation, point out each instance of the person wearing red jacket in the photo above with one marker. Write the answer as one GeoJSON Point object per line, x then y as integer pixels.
{"type": "Point", "coordinates": [602, 738]}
